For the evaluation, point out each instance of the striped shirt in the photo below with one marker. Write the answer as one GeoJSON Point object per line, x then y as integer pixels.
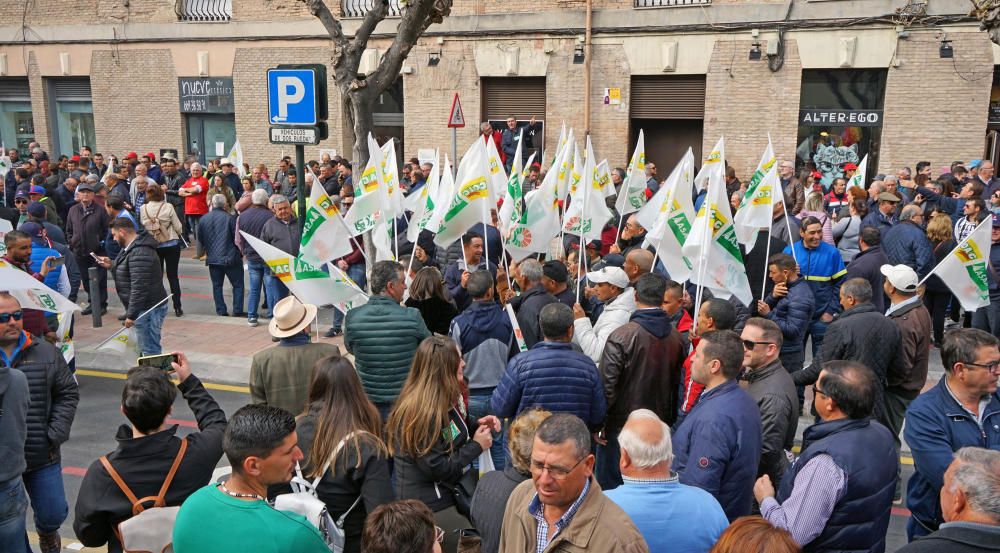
{"type": "Point", "coordinates": [964, 227]}
{"type": "Point", "coordinates": [537, 510]}
{"type": "Point", "coordinates": [818, 487]}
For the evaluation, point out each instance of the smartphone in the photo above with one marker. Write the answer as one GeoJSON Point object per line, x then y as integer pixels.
{"type": "Point", "coordinates": [94, 255]}
{"type": "Point", "coordinates": [57, 262]}
{"type": "Point", "coordinates": [163, 361]}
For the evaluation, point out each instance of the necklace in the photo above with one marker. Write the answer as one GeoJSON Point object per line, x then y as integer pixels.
{"type": "Point", "coordinates": [227, 491]}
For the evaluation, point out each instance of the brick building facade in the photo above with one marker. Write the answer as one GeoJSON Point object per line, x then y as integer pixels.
{"type": "Point", "coordinates": [108, 72]}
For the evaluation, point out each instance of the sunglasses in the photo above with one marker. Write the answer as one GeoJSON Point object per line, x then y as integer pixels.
{"type": "Point", "coordinates": [750, 344]}
{"type": "Point", "coordinates": [20, 201]}
{"type": "Point", "coordinates": [16, 315]}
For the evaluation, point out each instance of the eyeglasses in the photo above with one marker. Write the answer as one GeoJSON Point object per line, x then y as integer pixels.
{"type": "Point", "coordinates": [993, 367]}
{"type": "Point", "coordinates": [750, 344]}
{"type": "Point", "coordinates": [20, 201]}
{"type": "Point", "coordinates": [16, 315]}
{"type": "Point", "coordinates": [556, 472]}
{"type": "Point", "coordinates": [816, 390]}
{"type": "Point", "coordinates": [439, 534]}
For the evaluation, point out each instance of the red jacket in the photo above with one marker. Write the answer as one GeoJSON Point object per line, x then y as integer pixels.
{"type": "Point", "coordinates": [496, 142]}
{"type": "Point", "coordinates": [692, 390]}
{"type": "Point", "coordinates": [197, 203]}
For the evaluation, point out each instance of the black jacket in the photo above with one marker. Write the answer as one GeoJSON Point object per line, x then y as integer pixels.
{"type": "Point", "coordinates": [427, 477]}
{"type": "Point", "coordinates": [86, 228]}
{"type": "Point", "coordinates": [961, 537]}
{"type": "Point", "coordinates": [528, 306]}
{"type": "Point", "coordinates": [366, 475]}
{"type": "Point", "coordinates": [867, 265]}
{"type": "Point", "coordinates": [54, 396]}
{"type": "Point", "coordinates": [282, 235]}
{"type": "Point", "coordinates": [143, 464]}
{"type": "Point", "coordinates": [436, 312]}
{"type": "Point", "coordinates": [138, 278]}
{"type": "Point", "coordinates": [490, 501]}
{"type": "Point", "coordinates": [861, 334]}
{"type": "Point", "coordinates": [772, 388]}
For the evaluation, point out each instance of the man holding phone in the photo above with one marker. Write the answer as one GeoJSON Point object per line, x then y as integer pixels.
{"type": "Point", "coordinates": [86, 225]}
{"type": "Point", "coordinates": [139, 282]}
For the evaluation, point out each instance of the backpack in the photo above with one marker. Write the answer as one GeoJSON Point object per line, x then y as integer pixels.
{"type": "Point", "coordinates": [152, 224]}
{"type": "Point", "coordinates": [304, 501]}
{"type": "Point", "coordinates": [148, 530]}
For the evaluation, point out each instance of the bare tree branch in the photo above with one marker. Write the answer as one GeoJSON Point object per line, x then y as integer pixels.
{"type": "Point", "coordinates": [374, 16]}
{"type": "Point", "coordinates": [418, 16]}
{"type": "Point", "coordinates": [333, 28]}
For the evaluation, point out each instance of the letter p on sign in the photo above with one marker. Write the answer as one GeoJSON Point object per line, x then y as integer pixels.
{"type": "Point", "coordinates": [291, 97]}
{"type": "Point", "coordinates": [290, 91]}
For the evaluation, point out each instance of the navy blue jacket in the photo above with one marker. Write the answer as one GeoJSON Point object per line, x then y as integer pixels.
{"type": "Point", "coordinates": [936, 427]}
{"type": "Point", "coordinates": [453, 280]}
{"type": "Point", "coordinates": [864, 450]}
{"type": "Point", "coordinates": [876, 219]}
{"type": "Point", "coordinates": [867, 265]}
{"type": "Point", "coordinates": [717, 447]}
{"type": "Point", "coordinates": [484, 334]}
{"type": "Point", "coordinates": [252, 221]}
{"type": "Point", "coordinates": [554, 377]}
{"type": "Point", "coordinates": [907, 244]}
{"type": "Point", "coordinates": [217, 232]}
{"type": "Point", "coordinates": [792, 314]}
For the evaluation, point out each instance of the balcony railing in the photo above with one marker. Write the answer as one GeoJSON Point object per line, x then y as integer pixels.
{"type": "Point", "coordinates": [204, 10]}
{"type": "Point", "coordinates": [358, 8]}
{"type": "Point", "coordinates": [670, 3]}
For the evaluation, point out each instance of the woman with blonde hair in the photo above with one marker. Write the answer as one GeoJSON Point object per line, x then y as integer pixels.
{"type": "Point", "coordinates": [160, 220]}
{"type": "Point", "coordinates": [937, 294]}
{"type": "Point", "coordinates": [339, 436]}
{"type": "Point", "coordinates": [427, 295]}
{"type": "Point", "coordinates": [814, 208]}
{"type": "Point", "coordinates": [432, 438]}
{"type": "Point", "coordinates": [495, 487]}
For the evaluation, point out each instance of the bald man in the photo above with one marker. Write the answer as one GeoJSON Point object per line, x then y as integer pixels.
{"type": "Point", "coordinates": [671, 516]}
{"type": "Point", "coordinates": [637, 263]}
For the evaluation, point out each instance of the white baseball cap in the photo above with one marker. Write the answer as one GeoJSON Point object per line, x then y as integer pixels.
{"type": "Point", "coordinates": [614, 276]}
{"type": "Point", "coordinates": [901, 277]}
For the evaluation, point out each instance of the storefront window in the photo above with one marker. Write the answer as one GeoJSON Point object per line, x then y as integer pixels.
{"type": "Point", "coordinates": [17, 129]}
{"type": "Point", "coordinates": [75, 126]}
{"type": "Point", "coordinates": [840, 120]}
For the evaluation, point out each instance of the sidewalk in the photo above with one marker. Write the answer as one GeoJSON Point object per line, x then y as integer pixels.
{"type": "Point", "coordinates": [219, 348]}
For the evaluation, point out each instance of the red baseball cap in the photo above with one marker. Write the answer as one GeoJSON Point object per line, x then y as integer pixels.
{"type": "Point", "coordinates": [850, 167]}
{"type": "Point", "coordinates": [132, 155]}
{"type": "Point", "coordinates": [150, 155]}
{"type": "Point", "coordinates": [75, 158]}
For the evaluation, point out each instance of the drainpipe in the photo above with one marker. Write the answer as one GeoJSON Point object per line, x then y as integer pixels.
{"type": "Point", "coordinates": [586, 67]}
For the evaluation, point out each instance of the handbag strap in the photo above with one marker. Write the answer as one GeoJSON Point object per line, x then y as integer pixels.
{"type": "Point", "coordinates": [336, 450]}
{"type": "Point", "coordinates": [159, 498]}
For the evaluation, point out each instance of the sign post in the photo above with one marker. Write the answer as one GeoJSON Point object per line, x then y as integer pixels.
{"type": "Point", "coordinates": [297, 112]}
{"type": "Point", "coordinates": [456, 119]}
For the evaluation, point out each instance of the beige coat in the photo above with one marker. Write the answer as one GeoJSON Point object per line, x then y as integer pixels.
{"type": "Point", "coordinates": [599, 526]}
{"type": "Point", "coordinates": [167, 216]}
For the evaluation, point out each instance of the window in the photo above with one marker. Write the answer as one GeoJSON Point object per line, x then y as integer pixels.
{"type": "Point", "coordinates": [358, 8]}
{"type": "Point", "coordinates": [204, 10]}
{"type": "Point", "coordinates": [17, 128]}
{"type": "Point", "coordinates": [72, 115]}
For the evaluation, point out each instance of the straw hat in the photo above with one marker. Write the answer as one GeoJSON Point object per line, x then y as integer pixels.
{"type": "Point", "coordinates": [290, 317]}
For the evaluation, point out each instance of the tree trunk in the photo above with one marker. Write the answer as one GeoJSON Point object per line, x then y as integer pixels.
{"type": "Point", "coordinates": [360, 103]}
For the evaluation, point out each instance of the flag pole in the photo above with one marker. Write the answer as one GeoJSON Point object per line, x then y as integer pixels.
{"type": "Point", "coordinates": [141, 315]}
{"type": "Point", "coordinates": [583, 214]}
{"type": "Point", "coordinates": [351, 234]}
{"type": "Point", "coordinates": [960, 244]}
{"type": "Point", "coordinates": [788, 225]}
{"type": "Point", "coordinates": [621, 219]}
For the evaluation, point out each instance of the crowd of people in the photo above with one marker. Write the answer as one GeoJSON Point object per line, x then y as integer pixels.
{"type": "Point", "coordinates": [608, 412]}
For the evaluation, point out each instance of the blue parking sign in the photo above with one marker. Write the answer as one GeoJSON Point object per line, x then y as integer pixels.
{"type": "Point", "coordinates": [291, 97]}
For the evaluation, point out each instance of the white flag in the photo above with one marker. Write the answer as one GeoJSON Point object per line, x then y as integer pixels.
{"type": "Point", "coordinates": [424, 204]}
{"type": "Point", "coordinates": [236, 156]}
{"type": "Point", "coordinates": [469, 204]}
{"type": "Point", "coordinates": [495, 170]}
{"type": "Point", "coordinates": [65, 342]}
{"type": "Point", "coordinates": [564, 163]}
{"type": "Point", "coordinates": [632, 195]}
{"type": "Point", "coordinates": [587, 211]}
{"type": "Point", "coordinates": [713, 248]}
{"type": "Point", "coordinates": [668, 218]}
{"type": "Point", "coordinates": [539, 223]}
{"type": "Point", "coordinates": [965, 270]}
{"type": "Point", "coordinates": [308, 283]}
{"type": "Point", "coordinates": [370, 195]}
{"type": "Point", "coordinates": [859, 176]}
{"type": "Point", "coordinates": [757, 205]}
{"type": "Point", "coordinates": [602, 179]}
{"type": "Point", "coordinates": [512, 210]}
{"type": "Point", "coordinates": [123, 342]}
{"type": "Point", "coordinates": [31, 293]}
{"type": "Point", "coordinates": [714, 166]}
{"type": "Point", "coordinates": [390, 176]}
{"type": "Point", "coordinates": [325, 235]}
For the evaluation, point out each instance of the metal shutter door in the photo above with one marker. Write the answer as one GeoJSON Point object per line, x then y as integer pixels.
{"type": "Point", "coordinates": [522, 97]}
{"type": "Point", "coordinates": [15, 90]}
{"type": "Point", "coordinates": [671, 97]}
{"type": "Point", "coordinates": [72, 89]}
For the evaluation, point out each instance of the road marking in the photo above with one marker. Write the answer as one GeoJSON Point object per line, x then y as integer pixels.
{"type": "Point", "coordinates": [122, 376]}
{"type": "Point", "coordinates": [75, 471]}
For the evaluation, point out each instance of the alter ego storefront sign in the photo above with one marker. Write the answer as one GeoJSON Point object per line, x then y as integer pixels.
{"type": "Point", "coordinates": [841, 117]}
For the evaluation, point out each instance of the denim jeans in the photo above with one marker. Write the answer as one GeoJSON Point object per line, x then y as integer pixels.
{"type": "Point", "coordinates": [817, 329]}
{"type": "Point", "coordinates": [48, 497]}
{"type": "Point", "coordinates": [13, 507]}
{"type": "Point", "coordinates": [479, 407]}
{"type": "Point", "coordinates": [257, 270]}
{"type": "Point", "coordinates": [357, 274]}
{"type": "Point", "coordinates": [234, 273]}
{"type": "Point", "coordinates": [276, 290]}
{"type": "Point", "coordinates": [147, 331]}
{"type": "Point", "coordinates": [607, 469]}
